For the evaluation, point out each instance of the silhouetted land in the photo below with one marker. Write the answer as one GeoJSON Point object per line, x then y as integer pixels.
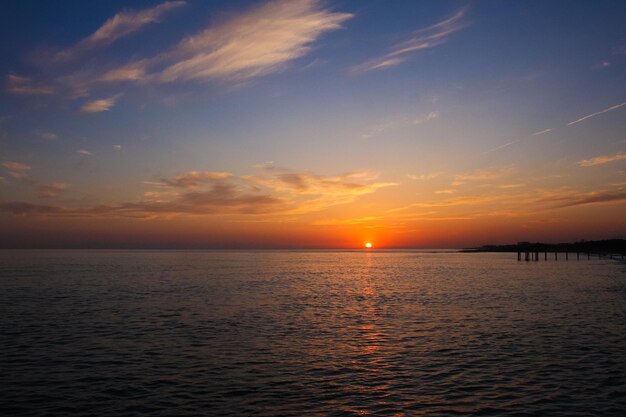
{"type": "Point", "coordinates": [614, 246]}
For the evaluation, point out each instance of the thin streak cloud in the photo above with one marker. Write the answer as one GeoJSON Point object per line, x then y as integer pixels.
{"type": "Point", "coordinates": [541, 132]}
{"type": "Point", "coordinates": [601, 160]}
{"type": "Point", "coordinates": [425, 38]}
{"type": "Point", "coordinates": [122, 24]}
{"type": "Point", "coordinates": [617, 106]}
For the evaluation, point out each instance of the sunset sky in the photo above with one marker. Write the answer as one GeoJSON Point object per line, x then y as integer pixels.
{"type": "Point", "coordinates": [303, 123]}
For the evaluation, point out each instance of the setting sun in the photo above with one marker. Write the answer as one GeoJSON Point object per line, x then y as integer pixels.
{"type": "Point", "coordinates": [368, 245]}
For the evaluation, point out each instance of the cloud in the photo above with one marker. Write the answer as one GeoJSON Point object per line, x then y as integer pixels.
{"type": "Point", "coordinates": [571, 199]}
{"type": "Point", "coordinates": [100, 105]}
{"type": "Point", "coordinates": [617, 106]}
{"type": "Point", "coordinates": [17, 169]}
{"type": "Point", "coordinates": [51, 190]}
{"type": "Point", "coordinates": [227, 195]}
{"type": "Point", "coordinates": [195, 178]}
{"type": "Point", "coordinates": [541, 132]}
{"type": "Point", "coordinates": [135, 71]}
{"type": "Point", "coordinates": [452, 202]}
{"type": "Point", "coordinates": [310, 192]}
{"type": "Point", "coordinates": [599, 160]}
{"type": "Point", "coordinates": [20, 207]}
{"type": "Point", "coordinates": [26, 86]}
{"type": "Point", "coordinates": [308, 183]}
{"type": "Point", "coordinates": [509, 186]}
{"type": "Point", "coordinates": [426, 38]}
{"type": "Point", "coordinates": [506, 145]}
{"type": "Point", "coordinates": [265, 165]}
{"type": "Point", "coordinates": [208, 192]}
{"type": "Point", "coordinates": [258, 42]}
{"type": "Point", "coordinates": [399, 122]}
{"type": "Point", "coordinates": [84, 152]}
{"type": "Point", "coordinates": [117, 147]}
{"type": "Point", "coordinates": [120, 25]}
{"type": "Point", "coordinates": [219, 198]}
{"type": "Point", "coordinates": [482, 175]}
{"type": "Point", "coordinates": [424, 177]}
{"type": "Point", "coordinates": [46, 135]}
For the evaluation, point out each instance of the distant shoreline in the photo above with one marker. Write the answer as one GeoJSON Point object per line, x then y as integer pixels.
{"type": "Point", "coordinates": [610, 246]}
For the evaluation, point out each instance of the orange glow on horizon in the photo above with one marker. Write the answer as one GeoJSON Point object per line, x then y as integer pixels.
{"type": "Point", "coordinates": [368, 245]}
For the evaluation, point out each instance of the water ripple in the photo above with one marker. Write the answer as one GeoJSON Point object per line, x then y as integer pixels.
{"type": "Point", "coordinates": [275, 333]}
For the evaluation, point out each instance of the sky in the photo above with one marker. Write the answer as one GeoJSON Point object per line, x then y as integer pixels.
{"type": "Point", "coordinates": [311, 124]}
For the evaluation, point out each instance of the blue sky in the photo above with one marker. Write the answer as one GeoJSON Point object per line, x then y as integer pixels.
{"type": "Point", "coordinates": [351, 118]}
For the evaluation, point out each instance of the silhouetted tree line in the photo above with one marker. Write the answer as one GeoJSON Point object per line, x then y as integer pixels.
{"type": "Point", "coordinates": [591, 246]}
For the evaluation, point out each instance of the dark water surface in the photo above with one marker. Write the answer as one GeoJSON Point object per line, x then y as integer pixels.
{"type": "Point", "coordinates": [280, 333]}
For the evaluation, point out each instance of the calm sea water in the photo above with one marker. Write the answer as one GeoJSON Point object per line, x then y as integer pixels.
{"type": "Point", "coordinates": [293, 333]}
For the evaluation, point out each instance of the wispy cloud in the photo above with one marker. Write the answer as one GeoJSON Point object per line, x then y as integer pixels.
{"type": "Point", "coordinates": [45, 135]}
{"type": "Point", "coordinates": [541, 132]}
{"type": "Point", "coordinates": [195, 178]}
{"type": "Point", "coordinates": [399, 122]}
{"type": "Point", "coordinates": [84, 152]}
{"type": "Point", "coordinates": [312, 192]}
{"type": "Point", "coordinates": [425, 38]}
{"type": "Point", "coordinates": [122, 24]}
{"type": "Point", "coordinates": [469, 200]}
{"type": "Point", "coordinates": [117, 147]}
{"type": "Point", "coordinates": [208, 192]}
{"type": "Point", "coordinates": [509, 186]}
{"type": "Point", "coordinates": [95, 106]}
{"type": "Point", "coordinates": [514, 142]}
{"type": "Point", "coordinates": [266, 165]}
{"type": "Point", "coordinates": [424, 177]}
{"type": "Point", "coordinates": [51, 190]}
{"type": "Point", "coordinates": [26, 86]}
{"type": "Point", "coordinates": [599, 160]}
{"type": "Point", "coordinates": [17, 169]}
{"type": "Point", "coordinates": [617, 106]}
{"type": "Point", "coordinates": [506, 145]}
{"type": "Point", "coordinates": [482, 175]}
{"type": "Point", "coordinates": [258, 42]}
{"type": "Point", "coordinates": [254, 43]}
{"type": "Point", "coordinates": [571, 199]}
{"type": "Point", "coordinates": [303, 183]}
{"type": "Point", "coordinates": [21, 207]}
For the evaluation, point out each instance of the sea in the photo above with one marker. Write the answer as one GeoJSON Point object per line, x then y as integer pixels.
{"type": "Point", "coordinates": [310, 333]}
